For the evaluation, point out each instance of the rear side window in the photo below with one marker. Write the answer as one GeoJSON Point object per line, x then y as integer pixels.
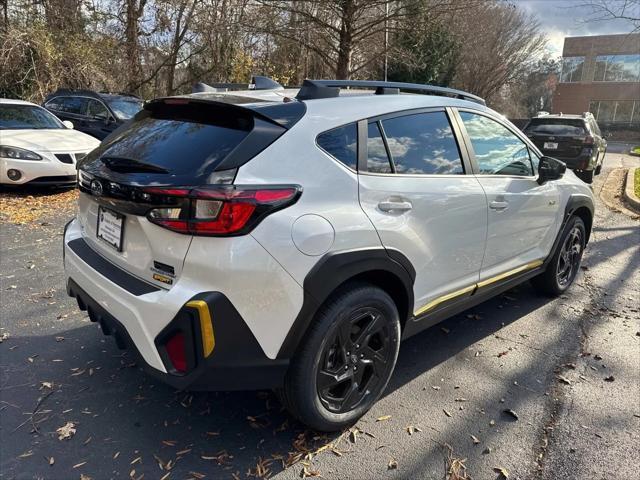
{"type": "Point", "coordinates": [557, 127]}
{"type": "Point", "coordinates": [77, 105]}
{"type": "Point", "coordinates": [342, 144]}
{"type": "Point", "coordinates": [179, 144]}
{"type": "Point", "coordinates": [423, 144]}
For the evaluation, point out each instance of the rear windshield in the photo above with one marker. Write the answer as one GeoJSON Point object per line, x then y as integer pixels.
{"type": "Point", "coordinates": [179, 142]}
{"type": "Point", "coordinates": [559, 126]}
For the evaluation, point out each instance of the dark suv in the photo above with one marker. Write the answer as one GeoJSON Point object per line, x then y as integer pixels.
{"type": "Point", "coordinates": [97, 114]}
{"type": "Point", "coordinates": [574, 139]}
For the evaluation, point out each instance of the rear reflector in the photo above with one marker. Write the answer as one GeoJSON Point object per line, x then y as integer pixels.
{"type": "Point", "coordinates": [219, 210]}
{"type": "Point", "coordinates": [176, 351]}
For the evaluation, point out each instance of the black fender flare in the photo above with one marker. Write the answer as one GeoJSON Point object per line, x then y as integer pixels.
{"type": "Point", "coordinates": [575, 201]}
{"type": "Point", "coordinates": [334, 269]}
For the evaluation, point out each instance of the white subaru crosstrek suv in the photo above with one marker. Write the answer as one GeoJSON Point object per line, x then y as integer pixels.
{"type": "Point", "coordinates": [259, 240]}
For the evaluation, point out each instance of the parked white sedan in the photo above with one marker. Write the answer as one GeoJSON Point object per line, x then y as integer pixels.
{"type": "Point", "coordinates": [36, 147]}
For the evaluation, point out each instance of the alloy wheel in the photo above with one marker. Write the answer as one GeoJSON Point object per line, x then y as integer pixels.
{"type": "Point", "coordinates": [354, 361]}
{"type": "Point", "coordinates": [569, 258]}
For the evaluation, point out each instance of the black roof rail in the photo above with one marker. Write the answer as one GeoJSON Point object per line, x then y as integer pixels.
{"type": "Point", "coordinates": [316, 89]}
{"type": "Point", "coordinates": [75, 91]}
{"type": "Point", "coordinates": [258, 82]}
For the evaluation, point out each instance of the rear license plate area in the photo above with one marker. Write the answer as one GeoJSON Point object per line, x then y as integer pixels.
{"type": "Point", "coordinates": [110, 227]}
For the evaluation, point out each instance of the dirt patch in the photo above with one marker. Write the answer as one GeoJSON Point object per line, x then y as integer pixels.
{"type": "Point", "coordinates": [611, 192]}
{"type": "Point", "coordinates": [34, 207]}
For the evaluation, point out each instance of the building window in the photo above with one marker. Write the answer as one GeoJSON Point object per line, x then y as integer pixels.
{"type": "Point", "coordinates": [617, 68]}
{"type": "Point", "coordinates": [623, 111]}
{"type": "Point", "coordinates": [572, 69]}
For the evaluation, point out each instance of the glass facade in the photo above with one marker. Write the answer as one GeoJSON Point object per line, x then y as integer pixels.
{"type": "Point", "coordinates": [572, 68]}
{"type": "Point", "coordinates": [617, 68]}
{"type": "Point", "coordinates": [615, 111]}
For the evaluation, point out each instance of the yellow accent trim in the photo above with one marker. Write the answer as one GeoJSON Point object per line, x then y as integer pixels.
{"type": "Point", "coordinates": [434, 303]}
{"type": "Point", "coordinates": [206, 325]}
{"type": "Point", "coordinates": [444, 298]}
{"type": "Point", "coordinates": [504, 275]}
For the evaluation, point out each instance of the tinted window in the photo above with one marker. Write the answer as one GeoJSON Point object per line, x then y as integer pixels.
{"type": "Point", "coordinates": [498, 151]}
{"type": "Point", "coordinates": [341, 143]}
{"type": "Point", "coordinates": [77, 105]}
{"type": "Point", "coordinates": [182, 146]}
{"type": "Point", "coordinates": [97, 109]}
{"type": "Point", "coordinates": [55, 104]}
{"type": "Point", "coordinates": [553, 126]}
{"type": "Point", "coordinates": [377, 158]}
{"type": "Point", "coordinates": [125, 109]}
{"type": "Point", "coordinates": [423, 144]}
{"type": "Point", "coordinates": [26, 117]}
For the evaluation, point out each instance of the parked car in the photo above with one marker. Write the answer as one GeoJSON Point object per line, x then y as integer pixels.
{"type": "Point", "coordinates": [36, 147]}
{"type": "Point", "coordinates": [574, 139]}
{"type": "Point", "coordinates": [290, 240]}
{"type": "Point", "coordinates": [97, 114]}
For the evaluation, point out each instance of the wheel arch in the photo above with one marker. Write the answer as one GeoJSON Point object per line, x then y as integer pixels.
{"type": "Point", "coordinates": [582, 207]}
{"type": "Point", "coordinates": [389, 270]}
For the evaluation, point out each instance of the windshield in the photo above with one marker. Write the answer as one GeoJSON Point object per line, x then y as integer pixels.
{"type": "Point", "coordinates": [558, 127]}
{"type": "Point", "coordinates": [125, 109]}
{"type": "Point", "coordinates": [23, 117]}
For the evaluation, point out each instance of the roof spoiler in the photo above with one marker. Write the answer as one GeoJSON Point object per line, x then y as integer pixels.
{"type": "Point", "coordinates": [258, 82]}
{"type": "Point", "coordinates": [316, 89]}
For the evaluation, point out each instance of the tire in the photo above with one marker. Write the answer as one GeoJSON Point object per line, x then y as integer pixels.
{"type": "Point", "coordinates": [565, 263]}
{"type": "Point", "coordinates": [323, 387]}
{"type": "Point", "coordinates": [586, 176]}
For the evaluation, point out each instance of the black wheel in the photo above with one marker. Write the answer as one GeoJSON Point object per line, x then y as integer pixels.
{"type": "Point", "coordinates": [345, 363]}
{"type": "Point", "coordinates": [565, 263]}
{"type": "Point", "coordinates": [586, 176]}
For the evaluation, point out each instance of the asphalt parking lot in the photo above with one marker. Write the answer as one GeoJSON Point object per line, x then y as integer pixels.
{"type": "Point", "coordinates": [538, 389]}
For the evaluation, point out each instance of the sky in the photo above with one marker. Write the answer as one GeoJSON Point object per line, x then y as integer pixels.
{"type": "Point", "coordinates": [569, 18]}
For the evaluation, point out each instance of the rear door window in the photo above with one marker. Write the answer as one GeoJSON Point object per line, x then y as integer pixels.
{"type": "Point", "coordinates": [342, 144]}
{"type": "Point", "coordinates": [75, 105]}
{"type": "Point", "coordinates": [423, 144]}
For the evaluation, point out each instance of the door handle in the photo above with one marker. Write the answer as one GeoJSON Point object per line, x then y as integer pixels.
{"type": "Point", "coordinates": [499, 206]}
{"type": "Point", "coordinates": [388, 206]}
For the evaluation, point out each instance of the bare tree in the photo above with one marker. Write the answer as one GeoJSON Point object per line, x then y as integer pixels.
{"type": "Point", "coordinates": [604, 10]}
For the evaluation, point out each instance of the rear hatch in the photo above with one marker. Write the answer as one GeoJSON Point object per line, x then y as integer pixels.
{"type": "Point", "coordinates": [172, 146]}
{"type": "Point", "coordinates": [558, 137]}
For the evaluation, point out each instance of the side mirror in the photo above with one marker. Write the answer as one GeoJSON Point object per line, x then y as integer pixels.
{"type": "Point", "coordinates": [68, 124]}
{"type": "Point", "coordinates": [550, 168]}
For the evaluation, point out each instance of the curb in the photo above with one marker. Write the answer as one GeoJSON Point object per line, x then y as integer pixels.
{"type": "Point", "coordinates": [629, 194]}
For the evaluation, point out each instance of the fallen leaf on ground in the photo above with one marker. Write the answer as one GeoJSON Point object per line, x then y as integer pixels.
{"type": "Point", "coordinates": [564, 379]}
{"type": "Point", "coordinates": [411, 429]}
{"type": "Point", "coordinates": [383, 418]}
{"type": "Point", "coordinates": [392, 465]}
{"type": "Point", "coordinates": [511, 413]}
{"type": "Point", "coordinates": [610, 378]}
{"type": "Point", "coordinates": [66, 431]}
{"type": "Point", "coordinates": [475, 439]}
{"type": "Point", "coordinates": [446, 413]}
{"type": "Point", "coordinates": [502, 472]}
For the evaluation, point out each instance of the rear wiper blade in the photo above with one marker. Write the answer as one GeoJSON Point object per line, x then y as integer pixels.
{"type": "Point", "coordinates": [130, 165]}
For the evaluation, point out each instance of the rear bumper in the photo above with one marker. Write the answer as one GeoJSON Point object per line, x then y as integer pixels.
{"type": "Point", "coordinates": [140, 316]}
{"type": "Point", "coordinates": [236, 362]}
{"type": "Point", "coordinates": [581, 162]}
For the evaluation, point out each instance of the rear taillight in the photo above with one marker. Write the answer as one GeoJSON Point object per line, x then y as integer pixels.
{"type": "Point", "coordinates": [588, 140]}
{"type": "Point", "coordinates": [177, 352]}
{"type": "Point", "coordinates": [218, 210]}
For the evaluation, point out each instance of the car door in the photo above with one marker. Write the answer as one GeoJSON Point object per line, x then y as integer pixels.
{"type": "Point", "coordinates": [414, 188]}
{"type": "Point", "coordinates": [522, 215]}
{"type": "Point", "coordinates": [71, 108]}
{"type": "Point", "coordinates": [99, 119]}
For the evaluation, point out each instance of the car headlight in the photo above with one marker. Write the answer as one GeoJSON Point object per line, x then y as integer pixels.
{"type": "Point", "coordinates": [16, 153]}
